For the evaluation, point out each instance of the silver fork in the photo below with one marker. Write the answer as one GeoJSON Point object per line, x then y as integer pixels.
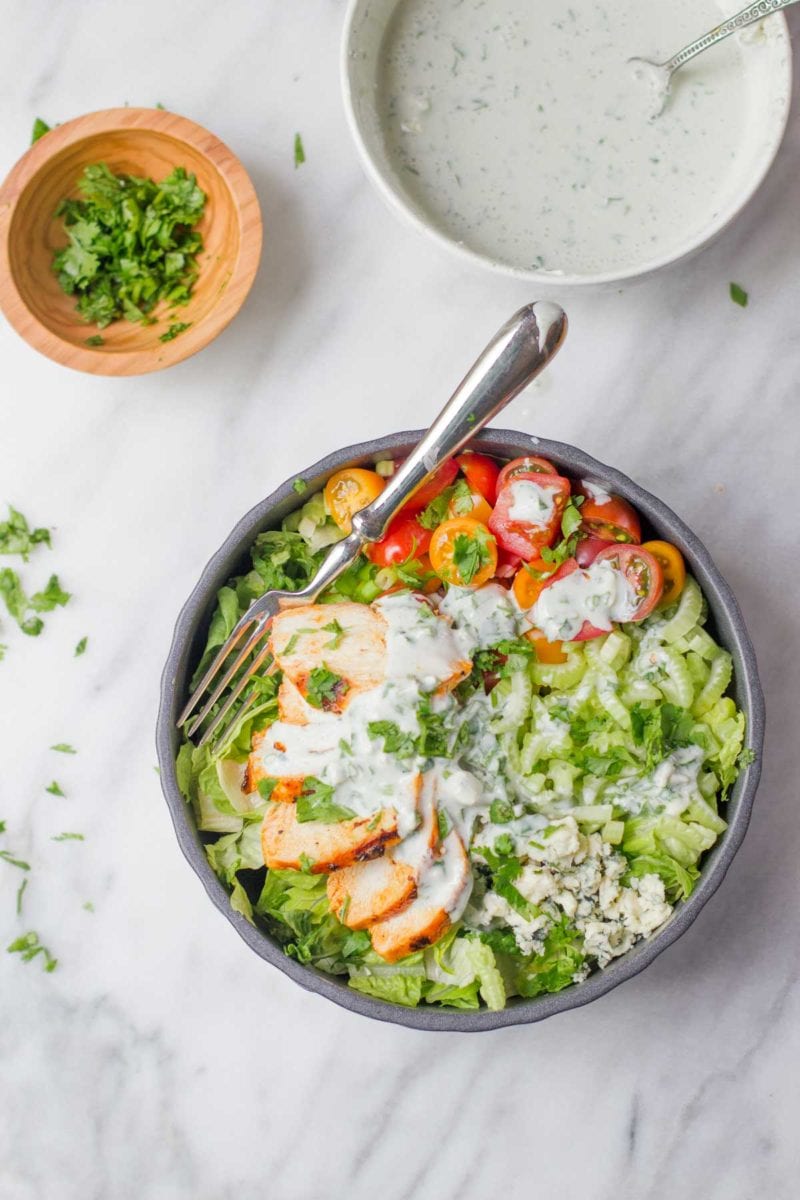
{"type": "Point", "coordinates": [513, 358]}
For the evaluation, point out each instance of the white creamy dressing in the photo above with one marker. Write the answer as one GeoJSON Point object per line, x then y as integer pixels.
{"type": "Point", "coordinates": [420, 647]}
{"type": "Point", "coordinates": [531, 503]}
{"type": "Point", "coordinates": [520, 129]}
{"type": "Point", "coordinates": [601, 595]}
{"type": "Point", "coordinates": [483, 616]}
{"type": "Point", "coordinates": [671, 786]}
{"type": "Point", "coordinates": [595, 492]}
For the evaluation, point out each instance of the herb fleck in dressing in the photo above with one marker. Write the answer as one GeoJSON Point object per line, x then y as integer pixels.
{"type": "Point", "coordinates": [520, 129]}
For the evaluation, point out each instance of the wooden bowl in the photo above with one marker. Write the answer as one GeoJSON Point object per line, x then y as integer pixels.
{"type": "Point", "coordinates": [139, 141]}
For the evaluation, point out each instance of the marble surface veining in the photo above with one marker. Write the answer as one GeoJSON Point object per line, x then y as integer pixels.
{"type": "Point", "coordinates": [163, 1060]}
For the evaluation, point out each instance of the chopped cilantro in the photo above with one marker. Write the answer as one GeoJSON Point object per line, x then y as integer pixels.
{"type": "Point", "coordinates": [64, 748]}
{"type": "Point", "coordinates": [54, 789]}
{"type": "Point", "coordinates": [88, 907]}
{"type": "Point", "coordinates": [175, 328]}
{"type": "Point", "coordinates": [266, 787]}
{"type": "Point", "coordinates": [28, 947]}
{"type": "Point", "coordinates": [470, 554]}
{"type": "Point", "coordinates": [95, 340]}
{"type": "Point", "coordinates": [300, 486]}
{"type": "Point", "coordinates": [316, 803]}
{"type": "Point", "coordinates": [299, 151]}
{"type": "Point", "coordinates": [338, 633]}
{"type": "Point", "coordinates": [739, 295]}
{"type": "Point", "coordinates": [20, 894]}
{"type": "Point", "coordinates": [40, 128]}
{"type": "Point", "coordinates": [68, 837]}
{"type": "Point", "coordinates": [403, 745]}
{"type": "Point", "coordinates": [325, 687]}
{"type": "Point", "coordinates": [444, 824]}
{"type": "Point", "coordinates": [81, 647]}
{"type": "Point", "coordinates": [504, 845]}
{"type": "Point", "coordinates": [131, 244]}
{"type": "Point", "coordinates": [570, 528]}
{"type": "Point", "coordinates": [501, 812]}
{"type": "Point", "coordinates": [8, 857]}
{"type": "Point", "coordinates": [434, 739]}
{"type": "Point", "coordinates": [17, 537]}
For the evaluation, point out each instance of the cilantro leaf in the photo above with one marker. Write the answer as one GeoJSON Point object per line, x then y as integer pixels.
{"type": "Point", "coordinates": [16, 536]}
{"type": "Point", "coordinates": [175, 328]}
{"type": "Point", "coordinates": [55, 789]}
{"type": "Point", "coordinates": [325, 688]}
{"type": "Point", "coordinates": [29, 947]}
{"type": "Point", "coordinates": [395, 741]}
{"type": "Point", "coordinates": [316, 803]}
{"type": "Point", "coordinates": [470, 554]}
{"type": "Point", "coordinates": [8, 857]}
{"type": "Point", "coordinates": [81, 647]}
{"type": "Point", "coordinates": [64, 748]}
{"type": "Point", "coordinates": [739, 295]}
{"type": "Point", "coordinates": [40, 128]}
{"type": "Point", "coordinates": [68, 837]}
{"type": "Point", "coordinates": [338, 633]}
{"type": "Point", "coordinates": [299, 151]}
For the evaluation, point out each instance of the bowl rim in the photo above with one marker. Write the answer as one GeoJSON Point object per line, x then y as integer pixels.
{"type": "Point", "coordinates": [196, 612]}
{"type": "Point", "coordinates": [393, 196]}
{"type": "Point", "coordinates": [244, 203]}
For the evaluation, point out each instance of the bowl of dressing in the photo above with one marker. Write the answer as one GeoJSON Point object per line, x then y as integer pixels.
{"type": "Point", "coordinates": [517, 134]}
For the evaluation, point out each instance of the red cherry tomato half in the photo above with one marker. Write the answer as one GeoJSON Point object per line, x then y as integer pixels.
{"type": "Point", "coordinates": [405, 538]}
{"type": "Point", "coordinates": [507, 564]}
{"type": "Point", "coordinates": [526, 538]}
{"type": "Point", "coordinates": [481, 473]}
{"type": "Point", "coordinates": [527, 467]}
{"type": "Point", "coordinates": [613, 521]}
{"type": "Point", "coordinates": [643, 572]}
{"type": "Point", "coordinates": [429, 491]}
{"type": "Point", "coordinates": [588, 550]}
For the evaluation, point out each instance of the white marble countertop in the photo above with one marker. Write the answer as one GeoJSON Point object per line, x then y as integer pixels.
{"type": "Point", "coordinates": [165, 1061]}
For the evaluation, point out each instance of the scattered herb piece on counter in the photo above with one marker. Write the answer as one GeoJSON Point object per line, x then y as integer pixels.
{"type": "Point", "coordinates": [299, 151]}
{"type": "Point", "coordinates": [40, 128]}
{"type": "Point", "coordinates": [3, 649]}
{"type": "Point", "coordinates": [17, 537]}
{"type": "Point", "coordinates": [95, 340]}
{"type": "Point", "coordinates": [174, 330]}
{"type": "Point", "coordinates": [88, 907]}
{"type": "Point", "coordinates": [68, 837]}
{"type": "Point", "coordinates": [2, 826]}
{"type": "Point", "coordinates": [131, 244]}
{"type": "Point", "coordinates": [8, 857]}
{"type": "Point", "coordinates": [29, 947]}
{"type": "Point", "coordinates": [64, 748]}
{"type": "Point", "coordinates": [55, 789]}
{"type": "Point", "coordinates": [739, 295]}
{"type": "Point", "coordinates": [20, 894]}
{"type": "Point", "coordinates": [81, 647]}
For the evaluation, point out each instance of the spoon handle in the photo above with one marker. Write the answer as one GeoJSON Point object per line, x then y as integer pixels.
{"type": "Point", "coordinates": [748, 16]}
{"type": "Point", "coordinates": [514, 357]}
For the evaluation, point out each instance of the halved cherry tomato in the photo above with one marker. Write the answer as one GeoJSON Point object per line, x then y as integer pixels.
{"type": "Point", "coordinates": [404, 539]}
{"type": "Point", "coordinates": [348, 491]}
{"type": "Point", "coordinates": [481, 473]}
{"type": "Point", "coordinates": [526, 538]}
{"type": "Point", "coordinates": [546, 652]}
{"type": "Point", "coordinates": [588, 549]}
{"type": "Point", "coordinates": [507, 564]}
{"type": "Point", "coordinates": [463, 552]}
{"type": "Point", "coordinates": [643, 572]}
{"type": "Point", "coordinates": [479, 509]}
{"type": "Point", "coordinates": [673, 568]}
{"type": "Point", "coordinates": [429, 491]}
{"type": "Point", "coordinates": [527, 467]}
{"type": "Point", "coordinates": [614, 520]}
{"type": "Point", "coordinates": [528, 583]}
{"type": "Point", "coordinates": [587, 630]}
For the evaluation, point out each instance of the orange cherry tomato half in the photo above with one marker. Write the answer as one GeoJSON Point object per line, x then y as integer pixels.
{"type": "Point", "coordinates": [429, 491]}
{"type": "Point", "coordinates": [673, 568]}
{"type": "Point", "coordinates": [350, 490]}
{"type": "Point", "coordinates": [614, 520]}
{"type": "Point", "coordinates": [546, 652]}
{"type": "Point", "coordinates": [481, 474]}
{"type": "Point", "coordinates": [527, 587]}
{"type": "Point", "coordinates": [480, 510]}
{"type": "Point", "coordinates": [404, 539]}
{"type": "Point", "coordinates": [527, 467]}
{"type": "Point", "coordinates": [463, 552]}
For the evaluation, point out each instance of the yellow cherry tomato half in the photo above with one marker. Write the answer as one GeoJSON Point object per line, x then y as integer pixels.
{"type": "Point", "coordinates": [463, 552]}
{"type": "Point", "coordinates": [480, 510]}
{"type": "Point", "coordinates": [350, 490]}
{"type": "Point", "coordinates": [528, 583]}
{"type": "Point", "coordinates": [546, 652]}
{"type": "Point", "coordinates": [670, 559]}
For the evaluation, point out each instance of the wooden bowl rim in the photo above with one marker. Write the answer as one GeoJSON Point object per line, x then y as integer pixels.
{"type": "Point", "coordinates": [248, 214]}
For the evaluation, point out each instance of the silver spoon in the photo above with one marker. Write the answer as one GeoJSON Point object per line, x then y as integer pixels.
{"type": "Point", "coordinates": [659, 75]}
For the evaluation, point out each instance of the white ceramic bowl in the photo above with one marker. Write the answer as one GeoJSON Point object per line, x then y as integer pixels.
{"type": "Point", "coordinates": [365, 26]}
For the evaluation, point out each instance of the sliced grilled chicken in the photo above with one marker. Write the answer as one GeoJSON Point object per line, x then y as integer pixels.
{"type": "Point", "coordinates": [440, 894]}
{"type": "Point", "coordinates": [289, 844]}
{"type": "Point", "coordinates": [347, 639]}
{"type": "Point", "coordinates": [373, 891]}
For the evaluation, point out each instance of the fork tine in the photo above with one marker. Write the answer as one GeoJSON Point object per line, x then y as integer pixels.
{"type": "Point", "coordinates": [221, 738]}
{"type": "Point", "coordinates": [234, 696]}
{"type": "Point", "coordinates": [215, 666]}
{"type": "Point", "coordinates": [238, 661]}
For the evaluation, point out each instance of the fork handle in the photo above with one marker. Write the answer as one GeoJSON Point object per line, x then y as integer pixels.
{"type": "Point", "coordinates": [748, 16]}
{"type": "Point", "coordinates": [513, 358]}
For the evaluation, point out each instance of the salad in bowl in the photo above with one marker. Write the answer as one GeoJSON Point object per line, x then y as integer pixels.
{"type": "Point", "coordinates": [486, 765]}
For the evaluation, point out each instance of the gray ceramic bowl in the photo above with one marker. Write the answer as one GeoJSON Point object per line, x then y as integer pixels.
{"type": "Point", "coordinates": [728, 624]}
